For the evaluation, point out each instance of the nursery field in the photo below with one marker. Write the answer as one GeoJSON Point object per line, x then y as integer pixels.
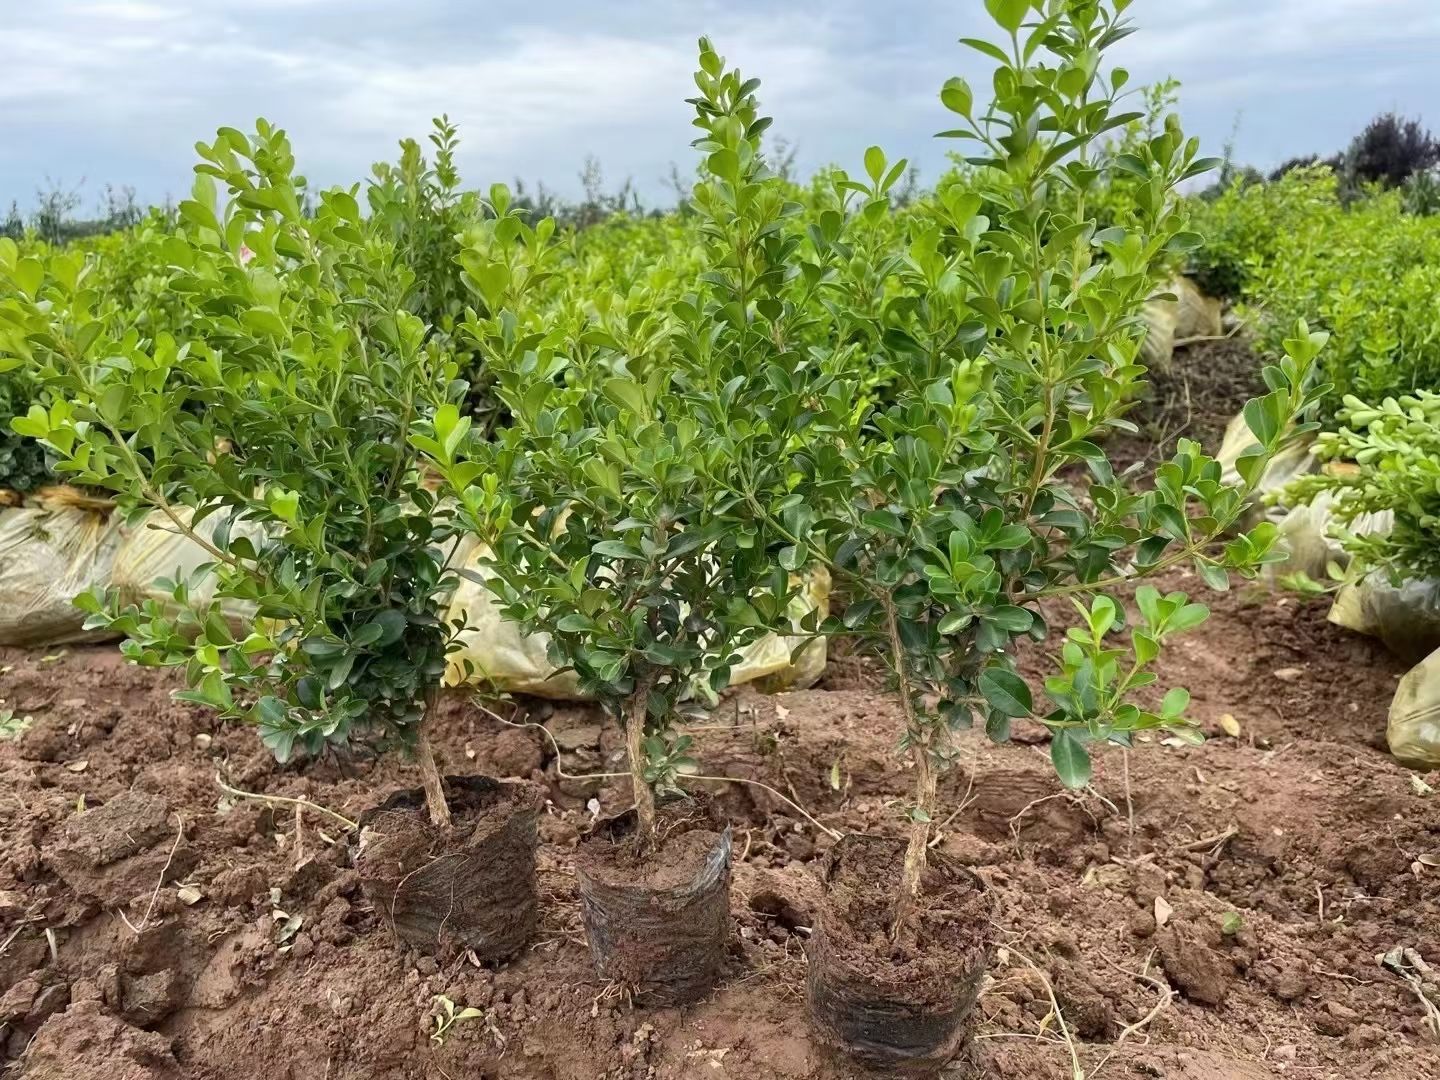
{"type": "Point", "coordinates": [1302, 826]}
{"type": "Point", "coordinates": [828, 628]}
{"type": "Point", "coordinates": [1199, 912]}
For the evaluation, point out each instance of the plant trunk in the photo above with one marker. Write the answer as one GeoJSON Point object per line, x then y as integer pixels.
{"type": "Point", "coordinates": [635, 749]}
{"type": "Point", "coordinates": [435, 802]}
{"type": "Point", "coordinates": [923, 811]}
{"type": "Point", "coordinates": [914, 870]}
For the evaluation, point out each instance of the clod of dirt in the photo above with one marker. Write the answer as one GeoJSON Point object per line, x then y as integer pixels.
{"type": "Point", "coordinates": [1085, 1005]}
{"type": "Point", "coordinates": [86, 1041]}
{"type": "Point", "coordinates": [1337, 1019]}
{"type": "Point", "coordinates": [25, 953]}
{"type": "Point", "coordinates": [117, 851]}
{"type": "Point", "coordinates": [32, 1001]}
{"type": "Point", "coordinates": [1288, 983]}
{"type": "Point", "coordinates": [1193, 966]}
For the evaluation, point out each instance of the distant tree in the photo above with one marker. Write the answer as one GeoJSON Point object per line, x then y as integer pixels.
{"type": "Point", "coordinates": [1389, 151]}
{"type": "Point", "coordinates": [14, 226]}
{"type": "Point", "coordinates": [1304, 161]}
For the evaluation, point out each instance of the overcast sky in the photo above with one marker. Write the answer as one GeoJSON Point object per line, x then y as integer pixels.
{"type": "Point", "coordinates": [119, 90]}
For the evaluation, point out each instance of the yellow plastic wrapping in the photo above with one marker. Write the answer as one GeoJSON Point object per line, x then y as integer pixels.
{"type": "Point", "coordinates": [49, 555]}
{"type": "Point", "coordinates": [1414, 728]}
{"type": "Point", "coordinates": [500, 656]}
{"type": "Point", "coordinates": [1405, 617]}
{"type": "Point", "coordinates": [155, 550]}
{"type": "Point", "coordinates": [1188, 314]}
{"type": "Point", "coordinates": [1291, 463]}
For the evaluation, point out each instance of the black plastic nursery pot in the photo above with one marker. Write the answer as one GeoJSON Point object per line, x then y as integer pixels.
{"type": "Point", "coordinates": [658, 917]}
{"type": "Point", "coordinates": [469, 886]}
{"type": "Point", "coordinates": [900, 1005]}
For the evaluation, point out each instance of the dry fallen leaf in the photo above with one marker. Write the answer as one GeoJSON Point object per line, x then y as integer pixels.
{"type": "Point", "coordinates": [1230, 725]}
{"type": "Point", "coordinates": [1429, 860]}
{"type": "Point", "coordinates": [189, 895]}
{"type": "Point", "coordinates": [1287, 674]}
{"type": "Point", "coordinates": [1420, 787]}
{"type": "Point", "coordinates": [780, 711]}
{"type": "Point", "coordinates": [77, 766]}
{"type": "Point", "coordinates": [1163, 911]}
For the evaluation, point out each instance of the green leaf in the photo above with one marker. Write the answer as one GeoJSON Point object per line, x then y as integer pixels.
{"type": "Point", "coordinates": [1213, 576]}
{"type": "Point", "coordinates": [875, 163]}
{"type": "Point", "coordinates": [957, 96]}
{"type": "Point", "coordinates": [628, 394]}
{"type": "Point", "coordinates": [1070, 758]}
{"type": "Point", "coordinates": [616, 549]}
{"type": "Point", "coordinates": [1177, 699]}
{"type": "Point", "coordinates": [953, 621]}
{"type": "Point", "coordinates": [284, 504]}
{"type": "Point", "coordinates": [884, 521]}
{"type": "Point", "coordinates": [392, 626]}
{"type": "Point", "coordinates": [1005, 692]}
{"type": "Point", "coordinates": [1010, 14]}
{"type": "Point", "coordinates": [1014, 619]}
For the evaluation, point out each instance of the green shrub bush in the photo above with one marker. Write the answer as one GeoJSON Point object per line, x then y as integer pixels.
{"type": "Point", "coordinates": [1366, 272]}
{"type": "Point", "coordinates": [1389, 461]}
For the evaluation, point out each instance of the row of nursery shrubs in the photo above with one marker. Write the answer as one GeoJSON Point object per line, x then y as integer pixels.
{"type": "Point", "coordinates": [673, 430]}
{"type": "Point", "coordinates": [1364, 270]}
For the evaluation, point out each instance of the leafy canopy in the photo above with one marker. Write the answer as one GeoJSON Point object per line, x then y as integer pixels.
{"type": "Point", "coordinates": [274, 434]}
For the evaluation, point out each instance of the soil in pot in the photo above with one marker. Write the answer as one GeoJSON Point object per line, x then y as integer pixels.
{"type": "Point", "coordinates": [904, 1004]}
{"type": "Point", "coordinates": [657, 916]}
{"type": "Point", "coordinates": [471, 886]}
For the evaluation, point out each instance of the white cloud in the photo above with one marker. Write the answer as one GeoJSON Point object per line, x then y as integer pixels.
{"type": "Point", "coordinates": [120, 89]}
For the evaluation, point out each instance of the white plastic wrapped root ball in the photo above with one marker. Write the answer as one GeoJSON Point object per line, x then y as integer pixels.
{"type": "Point", "coordinates": [1290, 464]}
{"type": "Point", "coordinates": [52, 550]}
{"type": "Point", "coordinates": [1177, 312]}
{"type": "Point", "coordinates": [155, 550]}
{"type": "Point", "coordinates": [500, 656]}
{"type": "Point", "coordinates": [1405, 617]}
{"type": "Point", "coordinates": [1414, 728]}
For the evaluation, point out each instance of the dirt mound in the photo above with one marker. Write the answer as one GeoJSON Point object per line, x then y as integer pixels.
{"type": "Point", "coordinates": [1204, 913]}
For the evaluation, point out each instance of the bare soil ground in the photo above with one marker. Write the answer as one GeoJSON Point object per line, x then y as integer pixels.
{"type": "Point", "coordinates": [157, 927]}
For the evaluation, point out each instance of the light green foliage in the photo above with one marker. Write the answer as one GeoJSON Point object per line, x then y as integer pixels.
{"type": "Point", "coordinates": [1245, 224]}
{"type": "Point", "coordinates": [1386, 458]}
{"type": "Point", "coordinates": [273, 432]}
{"type": "Point", "coordinates": [448, 1014]}
{"type": "Point", "coordinates": [618, 503]}
{"type": "Point", "coordinates": [1366, 272]}
{"type": "Point", "coordinates": [688, 412]}
{"type": "Point", "coordinates": [12, 726]}
{"type": "Point", "coordinates": [421, 208]}
{"type": "Point", "coordinates": [1010, 343]}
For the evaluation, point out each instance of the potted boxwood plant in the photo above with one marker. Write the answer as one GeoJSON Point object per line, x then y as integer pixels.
{"type": "Point", "coordinates": [610, 510]}
{"type": "Point", "coordinates": [276, 436]}
{"type": "Point", "coordinates": [1008, 332]}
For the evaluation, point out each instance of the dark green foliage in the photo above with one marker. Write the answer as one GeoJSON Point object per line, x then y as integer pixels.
{"type": "Point", "coordinates": [22, 460]}
{"type": "Point", "coordinates": [274, 436]}
{"type": "Point", "coordinates": [1389, 151]}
